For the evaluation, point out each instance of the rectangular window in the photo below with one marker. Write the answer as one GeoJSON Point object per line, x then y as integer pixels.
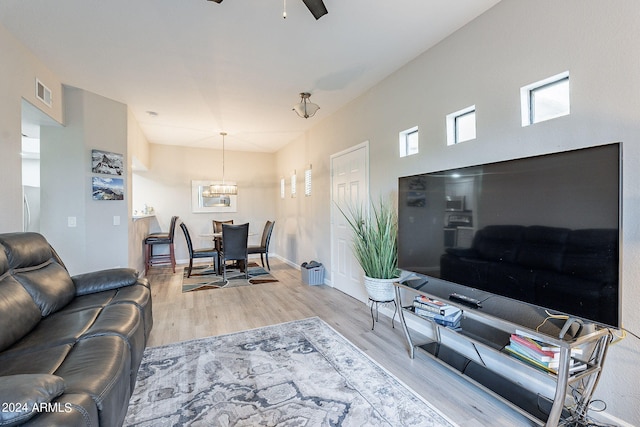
{"type": "Point", "coordinates": [293, 184]}
{"type": "Point", "coordinates": [409, 142]}
{"type": "Point", "coordinates": [282, 189]}
{"type": "Point", "coordinates": [461, 125]}
{"type": "Point", "coordinates": [546, 99]}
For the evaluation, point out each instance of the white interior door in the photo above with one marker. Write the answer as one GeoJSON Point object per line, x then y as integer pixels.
{"type": "Point", "coordinates": [349, 184]}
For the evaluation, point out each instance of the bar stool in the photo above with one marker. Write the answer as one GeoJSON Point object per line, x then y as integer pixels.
{"type": "Point", "coordinates": [160, 239]}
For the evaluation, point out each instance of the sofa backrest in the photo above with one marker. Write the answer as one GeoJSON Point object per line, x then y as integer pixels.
{"type": "Point", "coordinates": [33, 284]}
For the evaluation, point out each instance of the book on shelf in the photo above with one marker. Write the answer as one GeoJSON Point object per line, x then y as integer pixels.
{"type": "Point", "coordinates": [537, 343]}
{"type": "Point", "coordinates": [540, 365]}
{"type": "Point", "coordinates": [541, 355]}
{"type": "Point", "coordinates": [451, 320]}
{"type": "Point", "coordinates": [542, 358]}
{"type": "Point", "coordinates": [575, 365]}
{"type": "Point", "coordinates": [433, 305]}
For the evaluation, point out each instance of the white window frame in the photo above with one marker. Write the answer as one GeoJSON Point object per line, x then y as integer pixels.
{"type": "Point", "coordinates": [452, 125]}
{"type": "Point", "coordinates": [293, 184]}
{"type": "Point", "coordinates": [527, 95]}
{"type": "Point", "coordinates": [403, 142]}
{"type": "Point", "coordinates": [282, 188]}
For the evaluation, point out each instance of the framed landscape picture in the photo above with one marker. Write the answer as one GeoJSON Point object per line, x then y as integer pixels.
{"type": "Point", "coordinates": [107, 163]}
{"type": "Point", "coordinates": [107, 188]}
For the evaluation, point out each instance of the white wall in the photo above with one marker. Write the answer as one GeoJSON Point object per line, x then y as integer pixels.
{"type": "Point", "coordinates": [18, 71]}
{"type": "Point", "coordinates": [92, 122]}
{"type": "Point", "coordinates": [166, 186]}
{"type": "Point", "coordinates": [486, 63]}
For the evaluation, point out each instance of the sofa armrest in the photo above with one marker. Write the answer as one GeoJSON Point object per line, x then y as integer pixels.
{"type": "Point", "coordinates": [20, 394]}
{"type": "Point", "coordinates": [462, 252]}
{"type": "Point", "coordinates": [104, 280]}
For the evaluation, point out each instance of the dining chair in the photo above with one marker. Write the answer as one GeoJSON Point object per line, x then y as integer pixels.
{"type": "Point", "coordinates": [154, 239]}
{"type": "Point", "coordinates": [234, 247]}
{"type": "Point", "coordinates": [198, 253]}
{"type": "Point", "coordinates": [263, 247]}
{"type": "Point", "coordinates": [217, 228]}
{"type": "Point", "coordinates": [217, 225]}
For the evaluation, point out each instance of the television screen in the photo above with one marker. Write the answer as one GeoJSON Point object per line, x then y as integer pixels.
{"type": "Point", "coordinates": [543, 230]}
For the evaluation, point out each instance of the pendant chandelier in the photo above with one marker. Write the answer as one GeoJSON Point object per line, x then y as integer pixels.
{"type": "Point", "coordinates": [305, 108]}
{"type": "Point", "coordinates": [223, 189]}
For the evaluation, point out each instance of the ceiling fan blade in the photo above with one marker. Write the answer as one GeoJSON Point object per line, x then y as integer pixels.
{"type": "Point", "coordinates": [316, 7]}
{"type": "Point", "coordinates": [217, 1]}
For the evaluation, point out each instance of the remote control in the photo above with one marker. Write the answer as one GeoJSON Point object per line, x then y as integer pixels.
{"type": "Point", "coordinates": [463, 299]}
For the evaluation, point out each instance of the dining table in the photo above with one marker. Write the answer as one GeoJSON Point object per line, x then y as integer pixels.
{"type": "Point", "coordinates": [218, 237]}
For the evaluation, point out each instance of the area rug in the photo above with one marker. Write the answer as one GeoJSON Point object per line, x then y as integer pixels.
{"type": "Point", "coordinates": [204, 278]}
{"type": "Point", "coordinates": [300, 373]}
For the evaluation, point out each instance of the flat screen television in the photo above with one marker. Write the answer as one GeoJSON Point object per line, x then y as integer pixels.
{"type": "Point", "coordinates": [543, 230]}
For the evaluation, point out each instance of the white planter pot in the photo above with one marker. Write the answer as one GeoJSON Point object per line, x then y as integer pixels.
{"type": "Point", "coordinates": [380, 289]}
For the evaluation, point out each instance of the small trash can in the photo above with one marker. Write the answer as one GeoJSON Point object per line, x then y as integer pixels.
{"type": "Point", "coordinates": [312, 273]}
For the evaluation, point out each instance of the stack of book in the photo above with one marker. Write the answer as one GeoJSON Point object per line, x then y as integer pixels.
{"type": "Point", "coordinates": [438, 311]}
{"type": "Point", "coordinates": [540, 354]}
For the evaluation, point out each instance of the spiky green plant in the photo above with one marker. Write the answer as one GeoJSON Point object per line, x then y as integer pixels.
{"type": "Point", "coordinates": [375, 244]}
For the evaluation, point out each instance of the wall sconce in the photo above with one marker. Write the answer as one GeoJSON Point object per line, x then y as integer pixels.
{"type": "Point", "coordinates": [293, 184]}
{"type": "Point", "coordinates": [307, 181]}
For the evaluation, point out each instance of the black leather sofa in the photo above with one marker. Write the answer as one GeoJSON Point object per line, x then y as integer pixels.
{"type": "Point", "coordinates": [70, 347]}
{"type": "Point", "coordinates": [576, 269]}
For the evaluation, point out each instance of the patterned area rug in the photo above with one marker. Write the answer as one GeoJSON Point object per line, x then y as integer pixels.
{"type": "Point", "coordinates": [300, 373]}
{"type": "Point", "coordinates": [204, 277]}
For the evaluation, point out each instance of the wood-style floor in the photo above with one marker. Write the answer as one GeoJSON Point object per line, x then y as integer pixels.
{"type": "Point", "coordinates": [182, 316]}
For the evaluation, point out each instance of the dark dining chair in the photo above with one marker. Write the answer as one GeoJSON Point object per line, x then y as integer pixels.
{"type": "Point", "coordinates": [155, 239]}
{"type": "Point", "coordinates": [198, 253]}
{"type": "Point", "coordinates": [234, 247]}
{"type": "Point", "coordinates": [263, 247]}
{"type": "Point", "coordinates": [217, 228]}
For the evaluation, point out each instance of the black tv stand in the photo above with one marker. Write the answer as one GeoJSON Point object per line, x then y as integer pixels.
{"type": "Point", "coordinates": [476, 351]}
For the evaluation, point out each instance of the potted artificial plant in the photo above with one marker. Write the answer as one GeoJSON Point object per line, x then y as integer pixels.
{"type": "Point", "coordinates": [375, 247]}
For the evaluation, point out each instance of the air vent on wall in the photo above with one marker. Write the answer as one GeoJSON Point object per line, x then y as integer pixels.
{"type": "Point", "coordinates": [43, 93]}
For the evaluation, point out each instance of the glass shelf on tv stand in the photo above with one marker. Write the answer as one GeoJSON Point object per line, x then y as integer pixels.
{"type": "Point", "coordinates": [480, 341]}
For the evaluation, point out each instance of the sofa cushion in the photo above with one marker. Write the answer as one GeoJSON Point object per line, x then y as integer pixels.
{"type": "Point", "coordinates": [19, 313]}
{"type": "Point", "coordinates": [542, 248]}
{"type": "Point", "coordinates": [49, 284]}
{"type": "Point", "coordinates": [57, 329]}
{"type": "Point", "coordinates": [23, 393]}
{"type": "Point", "coordinates": [100, 366]}
{"type": "Point", "coordinates": [44, 360]}
{"type": "Point", "coordinates": [498, 242]}
{"type": "Point", "coordinates": [76, 410]}
{"type": "Point", "coordinates": [4, 262]}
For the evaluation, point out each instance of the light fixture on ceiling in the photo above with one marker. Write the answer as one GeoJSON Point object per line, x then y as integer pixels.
{"type": "Point", "coordinates": [221, 190]}
{"type": "Point", "coordinates": [305, 108]}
